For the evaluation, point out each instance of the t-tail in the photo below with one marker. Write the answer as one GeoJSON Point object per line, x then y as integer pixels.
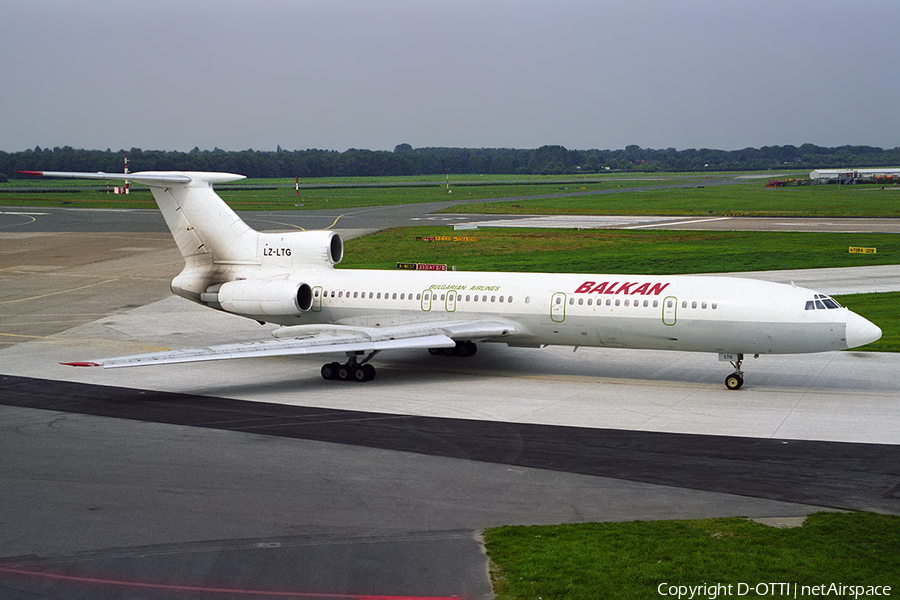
{"type": "Point", "coordinates": [217, 246]}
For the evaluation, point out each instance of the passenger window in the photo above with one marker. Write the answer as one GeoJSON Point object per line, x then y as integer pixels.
{"type": "Point", "coordinates": [694, 304]}
{"type": "Point", "coordinates": [493, 298]}
{"type": "Point", "coordinates": [571, 301]}
{"type": "Point", "coordinates": [656, 304]}
{"type": "Point", "coordinates": [703, 305]}
{"type": "Point", "coordinates": [378, 296]}
{"type": "Point", "coordinates": [590, 301]}
{"type": "Point", "coordinates": [484, 298]}
{"type": "Point", "coordinates": [468, 297]}
{"type": "Point", "coordinates": [646, 303]}
{"type": "Point", "coordinates": [617, 301]}
{"type": "Point", "coordinates": [684, 304]}
{"type": "Point", "coordinates": [715, 305]}
{"type": "Point", "coordinates": [501, 298]}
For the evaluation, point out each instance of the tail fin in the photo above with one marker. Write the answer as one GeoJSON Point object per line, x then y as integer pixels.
{"type": "Point", "coordinates": [211, 237]}
{"type": "Point", "coordinates": [200, 221]}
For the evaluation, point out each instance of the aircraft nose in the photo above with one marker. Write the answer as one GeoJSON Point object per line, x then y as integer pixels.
{"type": "Point", "coordinates": [860, 331]}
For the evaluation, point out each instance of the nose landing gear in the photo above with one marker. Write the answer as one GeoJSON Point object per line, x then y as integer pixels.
{"type": "Point", "coordinates": [736, 379]}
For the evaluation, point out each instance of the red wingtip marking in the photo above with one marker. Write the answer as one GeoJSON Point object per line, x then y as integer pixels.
{"type": "Point", "coordinates": [30, 172]}
{"type": "Point", "coordinates": [81, 364]}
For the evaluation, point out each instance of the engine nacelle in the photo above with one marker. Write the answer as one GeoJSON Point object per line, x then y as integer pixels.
{"type": "Point", "coordinates": [300, 249]}
{"type": "Point", "coordinates": [260, 298]}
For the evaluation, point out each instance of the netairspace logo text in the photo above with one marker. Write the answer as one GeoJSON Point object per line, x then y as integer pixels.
{"type": "Point", "coordinates": [773, 590]}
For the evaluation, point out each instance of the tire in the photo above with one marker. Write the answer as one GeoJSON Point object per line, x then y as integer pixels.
{"type": "Point", "coordinates": [734, 381]}
{"type": "Point", "coordinates": [329, 371]}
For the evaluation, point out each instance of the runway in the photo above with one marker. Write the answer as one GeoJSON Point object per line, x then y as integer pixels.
{"type": "Point", "coordinates": [253, 476]}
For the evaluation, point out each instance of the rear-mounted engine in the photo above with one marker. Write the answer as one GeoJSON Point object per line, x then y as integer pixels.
{"type": "Point", "coordinates": [260, 298]}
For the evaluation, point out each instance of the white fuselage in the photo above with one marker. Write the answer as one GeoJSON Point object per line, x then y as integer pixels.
{"type": "Point", "coordinates": [690, 313]}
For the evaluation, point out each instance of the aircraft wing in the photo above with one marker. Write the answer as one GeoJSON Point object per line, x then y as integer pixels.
{"type": "Point", "coordinates": [318, 339]}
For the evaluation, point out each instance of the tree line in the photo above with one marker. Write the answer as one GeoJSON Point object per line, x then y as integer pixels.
{"type": "Point", "coordinates": [406, 160]}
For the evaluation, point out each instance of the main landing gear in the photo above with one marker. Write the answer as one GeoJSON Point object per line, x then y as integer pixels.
{"type": "Point", "coordinates": [350, 370]}
{"type": "Point", "coordinates": [354, 370]}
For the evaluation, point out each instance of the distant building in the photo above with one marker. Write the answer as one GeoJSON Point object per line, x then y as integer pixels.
{"type": "Point", "coordinates": [891, 174]}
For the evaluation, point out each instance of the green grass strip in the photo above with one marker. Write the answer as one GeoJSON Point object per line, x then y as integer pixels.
{"type": "Point", "coordinates": [745, 199]}
{"type": "Point", "coordinates": [635, 560]}
{"type": "Point", "coordinates": [655, 252]}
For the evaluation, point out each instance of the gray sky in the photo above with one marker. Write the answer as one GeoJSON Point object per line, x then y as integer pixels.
{"type": "Point", "coordinates": [339, 74]}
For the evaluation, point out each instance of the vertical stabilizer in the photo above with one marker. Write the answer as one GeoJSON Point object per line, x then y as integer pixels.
{"type": "Point", "coordinates": [213, 240]}
{"type": "Point", "coordinates": [201, 222]}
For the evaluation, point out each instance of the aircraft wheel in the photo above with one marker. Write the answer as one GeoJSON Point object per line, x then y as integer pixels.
{"type": "Point", "coordinates": [359, 373]}
{"type": "Point", "coordinates": [734, 381]}
{"type": "Point", "coordinates": [345, 372]}
{"type": "Point", "coordinates": [464, 348]}
{"type": "Point", "coordinates": [330, 371]}
{"type": "Point", "coordinates": [435, 351]}
{"type": "Point", "coordinates": [369, 370]}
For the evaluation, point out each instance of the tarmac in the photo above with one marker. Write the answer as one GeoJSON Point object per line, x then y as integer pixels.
{"type": "Point", "coordinates": [242, 477]}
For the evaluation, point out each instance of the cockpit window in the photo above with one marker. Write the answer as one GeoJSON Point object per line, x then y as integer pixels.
{"type": "Point", "coordinates": [822, 302]}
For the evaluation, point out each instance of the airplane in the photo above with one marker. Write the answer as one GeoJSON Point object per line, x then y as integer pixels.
{"type": "Point", "coordinates": [289, 279]}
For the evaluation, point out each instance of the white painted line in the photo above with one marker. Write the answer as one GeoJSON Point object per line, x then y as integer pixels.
{"type": "Point", "coordinates": [670, 224]}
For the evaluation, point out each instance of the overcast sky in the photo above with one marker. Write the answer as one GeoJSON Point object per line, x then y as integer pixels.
{"type": "Point", "coordinates": [339, 74]}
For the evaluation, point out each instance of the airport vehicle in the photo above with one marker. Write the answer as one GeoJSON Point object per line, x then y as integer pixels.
{"type": "Point", "coordinates": [289, 279]}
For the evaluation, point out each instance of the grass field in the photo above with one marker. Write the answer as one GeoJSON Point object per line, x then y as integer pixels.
{"type": "Point", "coordinates": [620, 251]}
{"type": "Point", "coordinates": [633, 560]}
{"type": "Point", "coordinates": [745, 199]}
{"type": "Point", "coordinates": [692, 194]}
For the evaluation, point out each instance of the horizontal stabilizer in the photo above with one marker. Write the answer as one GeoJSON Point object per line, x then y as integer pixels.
{"type": "Point", "coordinates": [151, 178]}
